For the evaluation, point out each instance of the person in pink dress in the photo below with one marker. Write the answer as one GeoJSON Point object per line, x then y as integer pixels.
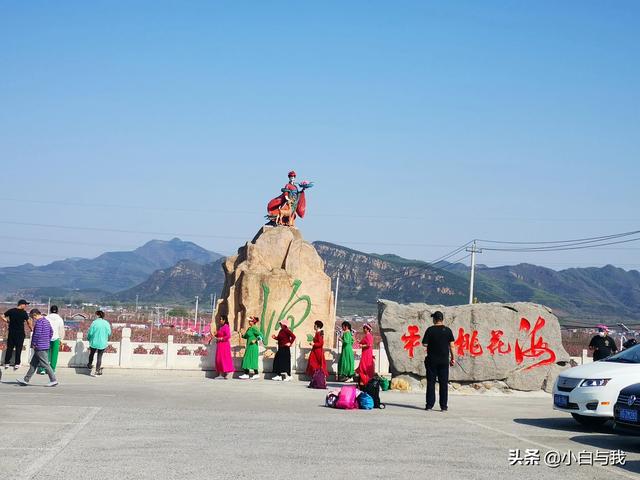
{"type": "Point", "coordinates": [224, 362]}
{"type": "Point", "coordinates": [367, 367]}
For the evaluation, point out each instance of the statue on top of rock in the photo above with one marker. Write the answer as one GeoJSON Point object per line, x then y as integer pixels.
{"type": "Point", "coordinates": [284, 209]}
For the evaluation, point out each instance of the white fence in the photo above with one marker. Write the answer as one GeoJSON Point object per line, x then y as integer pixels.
{"type": "Point", "coordinates": [188, 356]}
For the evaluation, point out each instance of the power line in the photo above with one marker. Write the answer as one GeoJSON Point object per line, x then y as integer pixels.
{"type": "Point", "coordinates": [200, 235]}
{"type": "Point", "coordinates": [560, 248]}
{"type": "Point", "coordinates": [588, 239]}
{"type": "Point", "coordinates": [454, 263]}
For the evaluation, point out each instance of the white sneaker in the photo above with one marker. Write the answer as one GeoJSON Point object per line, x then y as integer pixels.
{"type": "Point", "coordinates": [277, 378]}
{"type": "Point", "coordinates": [220, 377]}
{"type": "Point", "coordinates": [244, 376]}
{"type": "Point", "coordinates": [22, 381]}
{"type": "Point", "coordinates": [287, 379]}
{"type": "Point", "coordinates": [255, 377]}
{"type": "Point", "coordinates": [52, 384]}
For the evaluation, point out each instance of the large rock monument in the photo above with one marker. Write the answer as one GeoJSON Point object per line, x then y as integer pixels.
{"type": "Point", "coordinates": [517, 343]}
{"type": "Point", "coordinates": [278, 276]}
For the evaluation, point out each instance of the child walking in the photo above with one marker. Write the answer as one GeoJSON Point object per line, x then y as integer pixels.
{"type": "Point", "coordinates": [40, 341]}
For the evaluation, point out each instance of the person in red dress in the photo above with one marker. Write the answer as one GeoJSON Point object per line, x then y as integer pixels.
{"type": "Point", "coordinates": [367, 367]}
{"type": "Point", "coordinates": [316, 357]}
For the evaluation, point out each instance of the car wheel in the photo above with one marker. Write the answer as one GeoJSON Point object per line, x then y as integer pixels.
{"type": "Point", "coordinates": [590, 421]}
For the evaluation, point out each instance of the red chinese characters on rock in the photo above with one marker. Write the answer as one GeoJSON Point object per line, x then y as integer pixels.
{"type": "Point", "coordinates": [411, 339]}
{"type": "Point", "coordinates": [496, 344]}
{"type": "Point", "coordinates": [468, 343]}
{"type": "Point", "coordinates": [538, 347]}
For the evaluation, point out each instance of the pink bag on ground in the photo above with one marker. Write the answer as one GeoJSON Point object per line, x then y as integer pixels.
{"type": "Point", "coordinates": [347, 398]}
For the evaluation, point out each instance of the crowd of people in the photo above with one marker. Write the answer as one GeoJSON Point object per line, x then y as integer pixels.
{"type": "Point", "coordinates": [282, 360]}
{"type": "Point", "coordinates": [47, 333]}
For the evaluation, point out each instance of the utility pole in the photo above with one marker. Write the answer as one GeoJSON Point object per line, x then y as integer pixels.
{"type": "Point", "coordinates": [195, 320]}
{"type": "Point", "coordinates": [49, 306]}
{"type": "Point", "coordinates": [473, 251]}
{"type": "Point", "coordinates": [158, 319]}
{"type": "Point", "coordinates": [213, 307]}
{"type": "Point", "coordinates": [136, 305]}
{"type": "Point", "coordinates": [335, 300]}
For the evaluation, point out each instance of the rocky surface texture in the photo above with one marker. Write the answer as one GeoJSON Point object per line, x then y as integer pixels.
{"type": "Point", "coordinates": [278, 276]}
{"type": "Point", "coordinates": [518, 344]}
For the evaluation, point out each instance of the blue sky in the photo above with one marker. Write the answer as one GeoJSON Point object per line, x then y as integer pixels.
{"type": "Point", "coordinates": [423, 124]}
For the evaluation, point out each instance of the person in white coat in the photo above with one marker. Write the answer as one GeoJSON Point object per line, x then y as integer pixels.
{"type": "Point", "coordinates": [57, 325]}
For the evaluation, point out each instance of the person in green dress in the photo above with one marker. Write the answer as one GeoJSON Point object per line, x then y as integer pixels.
{"type": "Point", "coordinates": [250, 359]}
{"type": "Point", "coordinates": [346, 366]}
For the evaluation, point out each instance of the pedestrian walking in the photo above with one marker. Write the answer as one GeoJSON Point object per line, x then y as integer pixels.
{"type": "Point", "coordinates": [224, 361]}
{"type": "Point", "coordinates": [316, 356]}
{"type": "Point", "coordinates": [347, 361]}
{"type": "Point", "coordinates": [98, 336]}
{"type": "Point", "coordinates": [367, 367]}
{"type": "Point", "coordinates": [252, 350]}
{"type": "Point", "coordinates": [40, 342]}
{"type": "Point", "coordinates": [438, 339]}
{"type": "Point", "coordinates": [15, 318]}
{"type": "Point", "coordinates": [57, 324]}
{"type": "Point", "coordinates": [282, 360]}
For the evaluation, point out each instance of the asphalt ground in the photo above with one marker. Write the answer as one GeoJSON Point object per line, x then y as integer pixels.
{"type": "Point", "coordinates": [181, 425]}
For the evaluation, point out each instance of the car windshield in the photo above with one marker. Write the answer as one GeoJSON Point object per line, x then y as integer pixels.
{"type": "Point", "coordinates": [630, 355]}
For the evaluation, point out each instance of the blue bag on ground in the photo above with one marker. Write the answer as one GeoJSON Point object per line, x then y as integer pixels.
{"type": "Point", "coordinates": [365, 402]}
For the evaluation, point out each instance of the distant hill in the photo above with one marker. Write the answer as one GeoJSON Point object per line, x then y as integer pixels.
{"type": "Point", "coordinates": [366, 277]}
{"type": "Point", "coordinates": [179, 283]}
{"type": "Point", "coordinates": [581, 296]}
{"type": "Point", "coordinates": [110, 272]}
{"type": "Point", "coordinates": [176, 271]}
{"type": "Point", "coordinates": [578, 295]}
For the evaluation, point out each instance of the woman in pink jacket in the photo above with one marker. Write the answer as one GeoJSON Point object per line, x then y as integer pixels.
{"type": "Point", "coordinates": [224, 362]}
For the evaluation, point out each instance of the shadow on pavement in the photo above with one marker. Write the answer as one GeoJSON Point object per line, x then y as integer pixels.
{"type": "Point", "coordinates": [610, 442]}
{"type": "Point", "coordinates": [563, 424]}
{"type": "Point", "coordinates": [403, 405]}
{"type": "Point", "coordinates": [614, 442]}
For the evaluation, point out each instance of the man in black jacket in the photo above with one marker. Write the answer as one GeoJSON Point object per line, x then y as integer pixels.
{"type": "Point", "coordinates": [15, 319]}
{"type": "Point", "coordinates": [438, 339]}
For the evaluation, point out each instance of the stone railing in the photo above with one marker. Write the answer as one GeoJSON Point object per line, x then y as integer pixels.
{"type": "Point", "coordinates": [187, 356]}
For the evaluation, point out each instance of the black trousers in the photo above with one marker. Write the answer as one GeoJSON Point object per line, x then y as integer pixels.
{"type": "Point", "coordinates": [14, 344]}
{"type": "Point", "coordinates": [439, 371]}
{"type": "Point", "coordinates": [282, 361]}
{"type": "Point", "coordinates": [92, 353]}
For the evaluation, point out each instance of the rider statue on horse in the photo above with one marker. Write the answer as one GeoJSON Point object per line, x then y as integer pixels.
{"type": "Point", "coordinates": [284, 209]}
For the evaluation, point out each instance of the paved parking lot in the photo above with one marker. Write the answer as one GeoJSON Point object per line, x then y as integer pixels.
{"type": "Point", "coordinates": [138, 425]}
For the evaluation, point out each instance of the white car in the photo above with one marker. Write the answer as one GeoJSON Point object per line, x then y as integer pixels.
{"type": "Point", "coordinates": [589, 392]}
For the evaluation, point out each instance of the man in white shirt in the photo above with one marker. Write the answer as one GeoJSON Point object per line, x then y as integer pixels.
{"type": "Point", "coordinates": [57, 325]}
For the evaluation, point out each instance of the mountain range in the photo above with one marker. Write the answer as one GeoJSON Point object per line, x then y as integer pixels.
{"type": "Point", "coordinates": [109, 273]}
{"type": "Point", "coordinates": [175, 271]}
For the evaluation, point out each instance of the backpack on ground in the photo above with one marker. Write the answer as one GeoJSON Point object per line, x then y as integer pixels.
{"type": "Point", "coordinates": [318, 380]}
{"type": "Point", "coordinates": [385, 384]}
{"type": "Point", "coordinates": [365, 402]}
{"type": "Point", "coordinates": [331, 399]}
{"type": "Point", "coordinates": [347, 398]}
{"type": "Point", "coordinates": [373, 389]}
